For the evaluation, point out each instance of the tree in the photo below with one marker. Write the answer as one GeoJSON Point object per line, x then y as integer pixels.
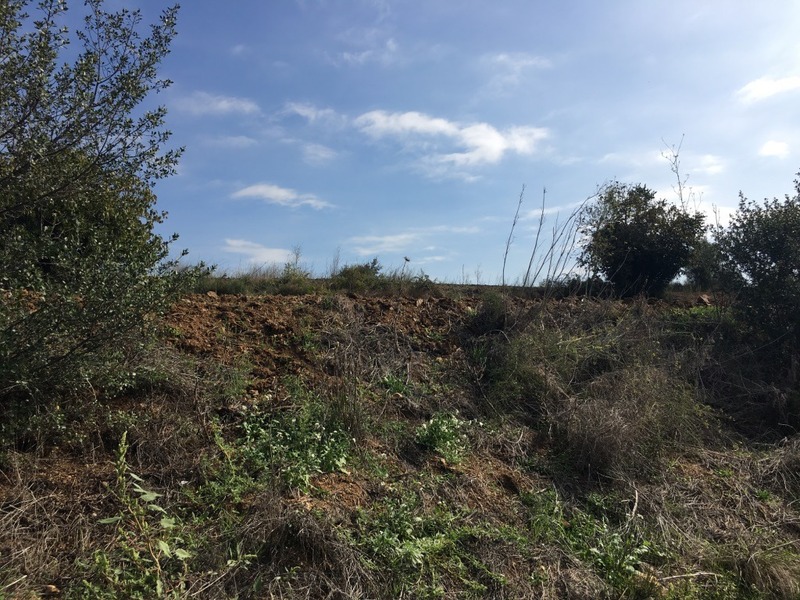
{"type": "Point", "coordinates": [81, 267]}
{"type": "Point", "coordinates": [760, 252]}
{"type": "Point", "coordinates": [702, 270]}
{"type": "Point", "coordinates": [638, 243]}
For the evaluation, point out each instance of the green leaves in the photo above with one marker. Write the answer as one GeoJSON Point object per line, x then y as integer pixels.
{"type": "Point", "coordinates": [81, 264]}
{"type": "Point", "coordinates": [445, 434]}
{"type": "Point", "coordinates": [296, 445]}
{"type": "Point", "coordinates": [637, 242]}
{"type": "Point", "coordinates": [760, 252]}
{"type": "Point", "coordinates": [148, 551]}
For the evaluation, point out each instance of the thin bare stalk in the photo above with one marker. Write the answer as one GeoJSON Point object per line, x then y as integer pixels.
{"type": "Point", "coordinates": [511, 235]}
{"type": "Point", "coordinates": [526, 280]}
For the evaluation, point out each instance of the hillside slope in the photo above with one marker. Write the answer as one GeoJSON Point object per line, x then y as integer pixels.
{"type": "Point", "coordinates": [344, 446]}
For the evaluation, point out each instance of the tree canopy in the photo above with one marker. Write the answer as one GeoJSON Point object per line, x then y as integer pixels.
{"type": "Point", "coordinates": [637, 242]}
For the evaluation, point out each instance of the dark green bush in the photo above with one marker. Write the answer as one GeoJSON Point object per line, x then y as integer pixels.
{"type": "Point", "coordinates": [760, 253]}
{"type": "Point", "coordinates": [638, 243]}
{"type": "Point", "coordinates": [81, 267]}
{"type": "Point", "coordinates": [703, 268]}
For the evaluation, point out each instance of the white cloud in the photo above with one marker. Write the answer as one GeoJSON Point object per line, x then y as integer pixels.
{"type": "Point", "coordinates": [317, 154]}
{"type": "Point", "coordinates": [311, 113]}
{"type": "Point", "coordinates": [379, 123]}
{"type": "Point", "coordinates": [367, 45]}
{"type": "Point", "coordinates": [710, 165]}
{"type": "Point", "coordinates": [774, 148]}
{"type": "Point", "coordinates": [508, 68]}
{"type": "Point", "coordinates": [517, 61]}
{"type": "Point", "coordinates": [256, 252]}
{"type": "Point", "coordinates": [386, 54]}
{"type": "Point", "coordinates": [475, 144]}
{"type": "Point", "coordinates": [372, 245]}
{"type": "Point", "coordinates": [375, 244]}
{"type": "Point", "coordinates": [274, 194]}
{"type": "Point", "coordinates": [239, 50]}
{"type": "Point", "coordinates": [452, 229]}
{"type": "Point", "coordinates": [203, 103]}
{"type": "Point", "coordinates": [766, 87]}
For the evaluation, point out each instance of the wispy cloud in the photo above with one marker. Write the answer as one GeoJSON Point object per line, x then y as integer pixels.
{"type": "Point", "coordinates": [313, 114]}
{"type": "Point", "coordinates": [766, 87]}
{"type": "Point", "coordinates": [369, 245]}
{"type": "Point", "coordinates": [239, 50]}
{"type": "Point", "coordinates": [473, 144]}
{"type": "Point", "coordinates": [385, 55]}
{"type": "Point", "coordinates": [256, 252]}
{"type": "Point", "coordinates": [710, 164]}
{"type": "Point", "coordinates": [508, 69]}
{"type": "Point", "coordinates": [774, 148]}
{"type": "Point", "coordinates": [230, 141]}
{"type": "Point", "coordinates": [406, 241]}
{"type": "Point", "coordinates": [203, 103]}
{"type": "Point", "coordinates": [317, 154]}
{"type": "Point", "coordinates": [367, 45]}
{"type": "Point", "coordinates": [281, 196]}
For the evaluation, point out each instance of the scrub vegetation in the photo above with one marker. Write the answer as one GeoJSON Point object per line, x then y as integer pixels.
{"type": "Point", "coordinates": [173, 433]}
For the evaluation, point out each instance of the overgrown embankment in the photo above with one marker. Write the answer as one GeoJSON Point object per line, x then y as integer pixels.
{"type": "Point", "coordinates": [476, 446]}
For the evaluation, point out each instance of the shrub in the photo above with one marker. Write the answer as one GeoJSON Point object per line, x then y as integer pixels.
{"type": "Point", "coordinates": [294, 281]}
{"type": "Point", "coordinates": [703, 268]}
{"type": "Point", "coordinates": [82, 267]}
{"type": "Point", "coordinates": [637, 242]}
{"type": "Point", "coordinates": [493, 315]}
{"type": "Point", "coordinates": [603, 385]}
{"type": "Point", "coordinates": [357, 278]}
{"type": "Point", "coordinates": [761, 260]}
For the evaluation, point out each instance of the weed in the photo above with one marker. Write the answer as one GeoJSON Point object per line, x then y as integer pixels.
{"type": "Point", "coordinates": [615, 553]}
{"type": "Point", "coordinates": [445, 434]}
{"type": "Point", "coordinates": [296, 445]}
{"type": "Point", "coordinates": [424, 552]}
{"type": "Point", "coordinates": [149, 555]}
{"type": "Point", "coordinates": [394, 385]}
{"type": "Point", "coordinates": [493, 315]}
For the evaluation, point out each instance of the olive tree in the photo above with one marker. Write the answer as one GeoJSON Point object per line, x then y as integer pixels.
{"type": "Point", "coordinates": [82, 269]}
{"type": "Point", "coordinates": [637, 242]}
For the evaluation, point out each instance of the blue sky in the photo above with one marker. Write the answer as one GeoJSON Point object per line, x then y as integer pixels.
{"type": "Point", "coordinates": [393, 128]}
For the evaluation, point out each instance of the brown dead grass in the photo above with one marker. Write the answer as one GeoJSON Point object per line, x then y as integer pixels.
{"type": "Point", "coordinates": [604, 420]}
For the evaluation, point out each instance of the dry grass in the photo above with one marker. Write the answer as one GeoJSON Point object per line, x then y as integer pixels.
{"type": "Point", "coordinates": [595, 471]}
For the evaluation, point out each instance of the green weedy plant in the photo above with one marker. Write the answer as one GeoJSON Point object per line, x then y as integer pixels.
{"type": "Point", "coordinates": [81, 268]}
{"type": "Point", "coordinates": [420, 551]}
{"type": "Point", "coordinates": [148, 558]}
{"type": "Point", "coordinates": [615, 553]}
{"type": "Point", "coordinates": [296, 445]}
{"type": "Point", "coordinates": [445, 434]}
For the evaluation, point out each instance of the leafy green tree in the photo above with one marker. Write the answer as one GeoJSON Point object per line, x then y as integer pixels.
{"type": "Point", "coordinates": [635, 241]}
{"type": "Point", "coordinates": [82, 270]}
{"type": "Point", "coordinates": [760, 252]}
{"type": "Point", "coordinates": [703, 268]}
